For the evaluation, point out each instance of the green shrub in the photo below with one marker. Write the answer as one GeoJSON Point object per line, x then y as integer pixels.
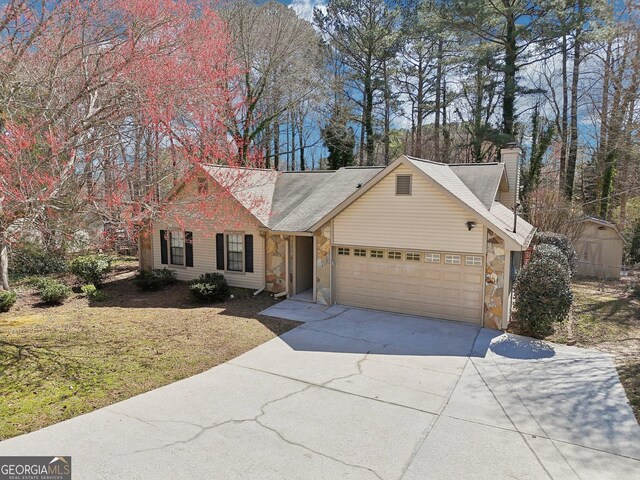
{"type": "Point", "coordinates": [563, 243]}
{"type": "Point", "coordinates": [91, 268]}
{"type": "Point", "coordinates": [40, 283]}
{"type": "Point", "coordinates": [55, 292]}
{"type": "Point", "coordinates": [210, 287]}
{"type": "Point", "coordinates": [546, 250]}
{"type": "Point", "coordinates": [7, 299]}
{"type": "Point", "coordinates": [31, 259]}
{"type": "Point", "coordinates": [155, 279]}
{"type": "Point", "coordinates": [91, 291]}
{"type": "Point", "coordinates": [543, 295]}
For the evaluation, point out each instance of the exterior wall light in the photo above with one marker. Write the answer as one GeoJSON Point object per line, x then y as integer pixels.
{"type": "Point", "coordinates": [470, 225]}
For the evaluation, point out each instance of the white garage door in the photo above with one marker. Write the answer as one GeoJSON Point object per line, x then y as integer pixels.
{"type": "Point", "coordinates": [439, 285]}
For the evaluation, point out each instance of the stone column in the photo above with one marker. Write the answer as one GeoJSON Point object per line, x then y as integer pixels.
{"type": "Point", "coordinates": [323, 265]}
{"type": "Point", "coordinates": [275, 271]}
{"type": "Point", "coordinates": [494, 281]}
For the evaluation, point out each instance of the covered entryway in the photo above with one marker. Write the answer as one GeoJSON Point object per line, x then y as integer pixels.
{"type": "Point", "coordinates": [303, 268]}
{"type": "Point", "coordinates": [438, 285]}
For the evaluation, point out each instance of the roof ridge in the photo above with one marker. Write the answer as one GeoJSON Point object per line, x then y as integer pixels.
{"type": "Point", "coordinates": [433, 162]}
{"type": "Point", "coordinates": [238, 167]}
{"type": "Point", "coordinates": [474, 163]}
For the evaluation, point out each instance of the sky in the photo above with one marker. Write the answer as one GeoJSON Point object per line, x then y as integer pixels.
{"type": "Point", "coordinates": [304, 8]}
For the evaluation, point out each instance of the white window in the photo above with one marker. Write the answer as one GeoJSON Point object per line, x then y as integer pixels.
{"type": "Point", "coordinates": [176, 241]}
{"type": "Point", "coordinates": [412, 256]}
{"type": "Point", "coordinates": [394, 255]}
{"type": "Point", "coordinates": [376, 253]}
{"type": "Point", "coordinates": [432, 257]}
{"type": "Point", "coordinates": [452, 259]}
{"type": "Point", "coordinates": [359, 252]}
{"type": "Point", "coordinates": [343, 251]}
{"type": "Point", "coordinates": [403, 184]}
{"type": "Point", "coordinates": [235, 257]}
{"type": "Point", "coordinates": [473, 260]}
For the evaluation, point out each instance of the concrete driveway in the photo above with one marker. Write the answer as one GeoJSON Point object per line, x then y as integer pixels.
{"type": "Point", "coordinates": [362, 394]}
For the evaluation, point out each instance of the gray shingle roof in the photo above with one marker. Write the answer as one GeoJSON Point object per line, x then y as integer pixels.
{"type": "Point", "coordinates": [483, 179]}
{"type": "Point", "coordinates": [327, 195]}
{"type": "Point", "coordinates": [290, 201]}
{"type": "Point", "coordinates": [296, 201]}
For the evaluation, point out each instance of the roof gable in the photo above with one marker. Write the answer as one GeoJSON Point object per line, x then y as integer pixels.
{"type": "Point", "coordinates": [445, 179]}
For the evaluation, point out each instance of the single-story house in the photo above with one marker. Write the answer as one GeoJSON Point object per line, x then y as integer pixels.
{"type": "Point", "coordinates": [600, 249]}
{"type": "Point", "coordinates": [415, 237]}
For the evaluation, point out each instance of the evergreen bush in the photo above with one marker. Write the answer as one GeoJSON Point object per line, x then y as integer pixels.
{"type": "Point", "coordinates": [7, 300]}
{"type": "Point", "coordinates": [210, 287]}
{"type": "Point", "coordinates": [543, 295]}
{"type": "Point", "coordinates": [91, 268]}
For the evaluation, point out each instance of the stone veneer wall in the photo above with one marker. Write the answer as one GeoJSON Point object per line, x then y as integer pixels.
{"type": "Point", "coordinates": [494, 281]}
{"type": "Point", "coordinates": [323, 265]}
{"type": "Point", "coordinates": [275, 271]}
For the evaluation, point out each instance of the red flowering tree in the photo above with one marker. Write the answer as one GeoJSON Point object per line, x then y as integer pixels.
{"type": "Point", "coordinates": [104, 105]}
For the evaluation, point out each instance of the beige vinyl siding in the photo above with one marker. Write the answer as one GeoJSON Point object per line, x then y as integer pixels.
{"type": "Point", "coordinates": [204, 259]}
{"type": "Point", "coordinates": [304, 263]}
{"type": "Point", "coordinates": [228, 216]}
{"type": "Point", "coordinates": [599, 252]}
{"type": "Point", "coordinates": [428, 219]}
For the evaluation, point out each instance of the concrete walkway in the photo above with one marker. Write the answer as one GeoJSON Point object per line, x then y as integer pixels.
{"type": "Point", "coordinates": [362, 394]}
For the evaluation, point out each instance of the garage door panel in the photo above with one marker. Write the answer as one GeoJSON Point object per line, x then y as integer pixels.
{"type": "Point", "coordinates": [452, 292]}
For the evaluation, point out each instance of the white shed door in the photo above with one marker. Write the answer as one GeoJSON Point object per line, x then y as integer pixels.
{"type": "Point", "coordinates": [438, 290]}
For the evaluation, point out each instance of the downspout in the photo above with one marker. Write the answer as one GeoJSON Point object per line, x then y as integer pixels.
{"type": "Point", "coordinates": [286, 269]}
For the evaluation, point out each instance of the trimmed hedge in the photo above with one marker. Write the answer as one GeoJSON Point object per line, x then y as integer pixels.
{"type": "Point", "coordinates": [7, 300]}
{"type": "Point", "coordinates": [543, 294]}
{"type": "Point", "coordinates": [155, 279]}
{"type": "Point", "coordinates": [210, 287]}
{"type": "Point", "coordinates": [91, 268]}
{"type": "Point", "coordinates": [562, 242]}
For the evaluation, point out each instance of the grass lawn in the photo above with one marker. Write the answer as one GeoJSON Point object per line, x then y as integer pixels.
{"type": "Point", "coordinates": [606, 316]}
{"type": "Point", "coordinates": [62, 361]}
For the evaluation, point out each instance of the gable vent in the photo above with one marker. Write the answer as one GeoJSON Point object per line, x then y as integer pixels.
{"type": "Point", "coordinates": [403, 184]}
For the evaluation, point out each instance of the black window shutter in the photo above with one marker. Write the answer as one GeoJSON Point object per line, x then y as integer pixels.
{"type": "Point", "coordinates": [164, 253]}
{"type": "Point", "coordinates": [248, 253]}
{"type": "Point", "coordinates": [220, 251]}
{"type": "Point", "coordinates": [188, 249]}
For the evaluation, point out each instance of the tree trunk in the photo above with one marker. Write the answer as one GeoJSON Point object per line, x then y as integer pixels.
{"type": "Point", "coordinates": [564, 123]}
{"type": "Point", "coordinates": [368, 118]}
{"type": "Point", "coordinates": [509, 98]}
{"type": "Point", "coordinates": [276, 145]}
{"type": "Point", "coordinates": [361, 152]}
{"type": "Point", "coordinates": [438, 106]}
{"type": "Point", "coordinates": [387, 115]}
{"type": "Point", "coordinates": [292, 165]}
{"type": "Point", "coordinates": [446, 135]}
{"type": "Point", "coordinates": [420, 102]}
{"type": "Point", "coordinates": [4, 263]}
{"type": "Point", "coordinates": [573, 139]}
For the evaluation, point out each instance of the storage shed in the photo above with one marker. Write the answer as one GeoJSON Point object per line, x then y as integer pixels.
{"type": "Point", "coordinates": [600, 249]}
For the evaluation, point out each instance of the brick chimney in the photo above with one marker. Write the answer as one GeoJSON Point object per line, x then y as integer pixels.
{"type": "Point", "coordinates": [510, 156]}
